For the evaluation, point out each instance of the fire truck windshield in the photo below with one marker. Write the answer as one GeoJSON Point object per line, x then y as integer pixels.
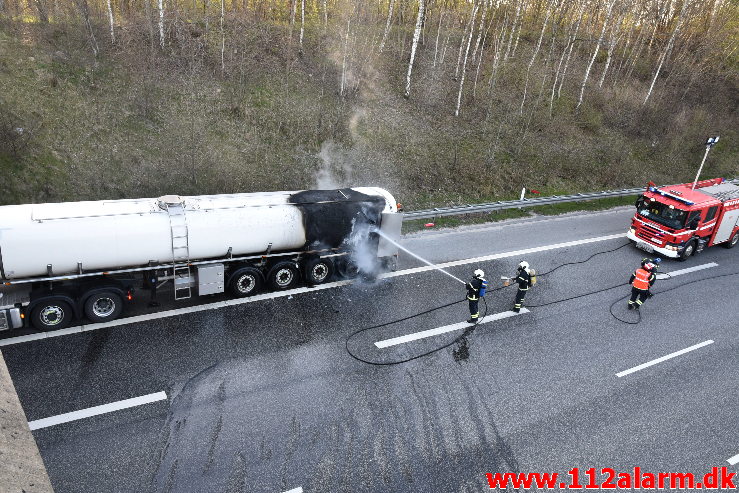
{"type": "Point", "coordinates": [663, 214]}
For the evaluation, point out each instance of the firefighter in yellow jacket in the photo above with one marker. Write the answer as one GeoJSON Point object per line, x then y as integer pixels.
{"type": "Point", "coordinates": [641, 280]}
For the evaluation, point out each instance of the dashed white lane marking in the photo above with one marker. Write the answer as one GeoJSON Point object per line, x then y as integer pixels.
{"type": "Point", "coordinates": [299, 489]}
{"type": "Point", "coordinates": [663, 358]}
{"type": "Point", "coordinates": [680, 272]}
{"type": "Point", "coordinates": [97, 410]}
{"type": "Point", "coordinates": [443, 330]}
{"type": "Point", "coordinates": [280, 294]}
{"type": "Point", "coordinates": [733, 460]}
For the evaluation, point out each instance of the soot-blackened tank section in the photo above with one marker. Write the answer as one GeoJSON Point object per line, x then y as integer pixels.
{"type": "Point", "coordinates": [328, 214]}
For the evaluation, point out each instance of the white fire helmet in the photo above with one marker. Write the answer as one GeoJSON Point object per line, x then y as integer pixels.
{"type": "Point", "coordinates": [524, 266]}
{"type": "Point", "coordinates": [479, 273]}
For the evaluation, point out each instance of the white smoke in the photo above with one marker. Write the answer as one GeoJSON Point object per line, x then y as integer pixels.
{"type": "Point", "coordinates": [334, 170]}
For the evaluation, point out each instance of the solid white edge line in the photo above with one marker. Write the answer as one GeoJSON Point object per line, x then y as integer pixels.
{"type": "Point", "coordinates": [667, 275]}
{"type": "Point", "coordinates": [663, 358]}
{"type": "Point", "coordinates": [733, 460]}
{"type": "Point", "coordinates": [97, 410]}
{"type": "Point", "coordinates": [299, 489]}
{"type": "Point", "coordinates": [280, 294]}
{"type": "Point", "coordinates": [444, 329]}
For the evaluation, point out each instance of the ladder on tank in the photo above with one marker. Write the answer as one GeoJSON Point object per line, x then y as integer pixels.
{"type": "Point", "coordinates": [180, 252]}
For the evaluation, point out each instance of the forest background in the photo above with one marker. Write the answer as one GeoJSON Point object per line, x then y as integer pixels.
{"type": "Point", "coordinates": [439, 101]}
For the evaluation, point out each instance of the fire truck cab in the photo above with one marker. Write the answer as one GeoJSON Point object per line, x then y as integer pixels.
{"type": "Point", "coordinates": [678, 221]}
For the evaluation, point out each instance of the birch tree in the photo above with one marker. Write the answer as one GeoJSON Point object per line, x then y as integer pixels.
{"type": "Point", "coordinates": [536, 52]}
{"type": "Point", "coordinates": [438, 32]}
{"type": "Point", "coordinates": [387, 24]}
{"type": "Point", "coordinates": [513, 28]}
{"type": "Point", "coordinates": [302, 23]}
{"type": "Point", "coordinates": [343, 63]}
{"type": "Point", "coordinates": [161, 23]}
{"type": "Point", "coordinates": [572, 36]}
{"type": "Point", "coordinates": [110, 19]}
{"type": "Point", "coordinates": [464, 65]}
{"type": "Point", "coordinates": [470, 26]}
{"type": "Point", "coordinates": [223, 38]}
{"type": "Point", "coordinates": [667, 50]}
{"type": "Point", "coordinates": [613, 40]}
{"type": "Point", "coordinates": [480, 28]}
{"type": "Point", "coordinates": [414, 46]}
{"type": "Point", "coordinates": [606, 19]}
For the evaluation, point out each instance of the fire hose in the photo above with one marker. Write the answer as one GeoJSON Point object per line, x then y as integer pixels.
{"type": "Point", "coordinates": [471, 328]}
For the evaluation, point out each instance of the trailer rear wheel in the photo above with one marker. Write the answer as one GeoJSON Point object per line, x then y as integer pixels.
{"type": "Point", "coordinates": [318, 270]}
{"type": "Point", "coordinates": [732, 241]}
{"type": "Point", "coordinates": [52, 315]}
{"type": "Point", "coordinates": [245, 282]}
{"type": "Point", "coordinates": [688, 251]}
{"type": "Point", "coordinates": [104, 306]}
{"type": "Point", "coordinates": [284, 275]}
{"type": "Point", "coordinates": [348, 269]}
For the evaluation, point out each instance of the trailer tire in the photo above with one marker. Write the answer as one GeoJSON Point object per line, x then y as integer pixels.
{"type": "Point", "coordinates": [52, 315]}
{"type": "Point", "coordinates": [284, 275]}
{"type": "Point", "coordinates": [318, 270]}
{"type": "Point", "coordinates": [103, 306]}
{"type": "Point", "coordinates": [246, 282]}
{"type": "Point", "coordinates": [732, 241]}
{"type": "Point", "coordinates": [348, 269]}
{"type": "Point", "coordinates": [687, 251]}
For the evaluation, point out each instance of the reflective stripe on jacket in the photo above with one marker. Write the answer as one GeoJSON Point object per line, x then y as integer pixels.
{"type": "Point", "coordinates": [641, 279]}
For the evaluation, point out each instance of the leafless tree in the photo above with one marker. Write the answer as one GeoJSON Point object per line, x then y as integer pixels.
{"type": "Point", "coordinates": [606, 20]}
{"type": "Point", "coordinates": [387, 24]}
{"type": "Point", "coordinates": [666, 53]}
{"type": "Point", "coordinates": [416, 34]}
{"type": "Point", "coordinates": [464, 65]}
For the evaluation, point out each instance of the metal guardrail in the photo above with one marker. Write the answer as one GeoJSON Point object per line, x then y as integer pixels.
{"type": "Point", "coordinates": [514, 204]}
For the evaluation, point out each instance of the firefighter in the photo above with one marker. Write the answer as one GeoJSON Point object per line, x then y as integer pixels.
{"type": "Point", "coordinates": [524, 280]}
{"type": "Point", "coordinates": [476, 290]}
{"type": "Point", "coordinates": [641, 280]}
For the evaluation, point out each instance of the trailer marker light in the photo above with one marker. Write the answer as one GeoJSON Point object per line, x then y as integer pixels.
{"type": "Point", "coordinates": [23, 315]}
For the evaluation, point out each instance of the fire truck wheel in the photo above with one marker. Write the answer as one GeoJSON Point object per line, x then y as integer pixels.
{"type": "Point", "coordinates": [318, 270]}
{"type": "Point", "coordinates": [51, 315]}
{"type": "Point", "coordinates": [104, 306]}
{"type": "Point", "coordinates": [733, 241]}
{"type": "Point", "coordinates": [284, 275]}
{"type": "Point", "coordinates": [688, 251]}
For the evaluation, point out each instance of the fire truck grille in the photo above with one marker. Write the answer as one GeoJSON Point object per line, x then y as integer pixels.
{"type": "Point", "coordinates": [648, 232]}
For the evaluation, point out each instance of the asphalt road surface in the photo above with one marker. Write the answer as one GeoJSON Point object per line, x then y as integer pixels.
{"type": "Point", "coordinates": [264, 396]}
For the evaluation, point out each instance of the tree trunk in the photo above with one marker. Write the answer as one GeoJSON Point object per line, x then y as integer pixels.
{"type": "Point", "coordinates": [111, 20]}
{"type": "Point", "coordinates": [567, 49]}
{"type": "Point", "coordinates": [149, 23]}
{"type": "Point", "coordinates": [161, 23]}
{"type": "Point", "coordinates": [387, 24]}
{"type": "Point", "coordinates": [536, 52]}
{"type": "Point", "coordinates": [85, 10]}
{"type": "Point", "coordinates": [668, 48]}
{"type": "Point", "coordinates": [513, 28]}
{"type": "Point", "coordinates": [325, 14]}
{"type": "Point", "coordinates": [302, 24]}
{"type": "Point", "coordinates": [606, 19]}
{"type": "Point", "coordinates": [480, 29]}
{"type": "Point", "coordinates": [612, 42]}
{"type": "Point", "coordinates": [343, 63]}
{"type": "Point", "coordinates": [470, 26]}
{"type": "Point", "coordinates": [464, 65]}
{"type": "Point", "coordinates": [43, 17]}
{"type": "Point", "coordinates": [223, 39]}
{"type": "Point", "coordinates": [416, 35]}
{"type": "Point", "coordinates": [438, 32]}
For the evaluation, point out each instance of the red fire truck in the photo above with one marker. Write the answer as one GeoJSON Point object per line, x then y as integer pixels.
{"type": "Point", "coordinates": [678, 221]}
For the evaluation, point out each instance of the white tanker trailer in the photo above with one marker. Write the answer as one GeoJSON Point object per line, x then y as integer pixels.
{"type": "Point", "coordinates": [75, 260]}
